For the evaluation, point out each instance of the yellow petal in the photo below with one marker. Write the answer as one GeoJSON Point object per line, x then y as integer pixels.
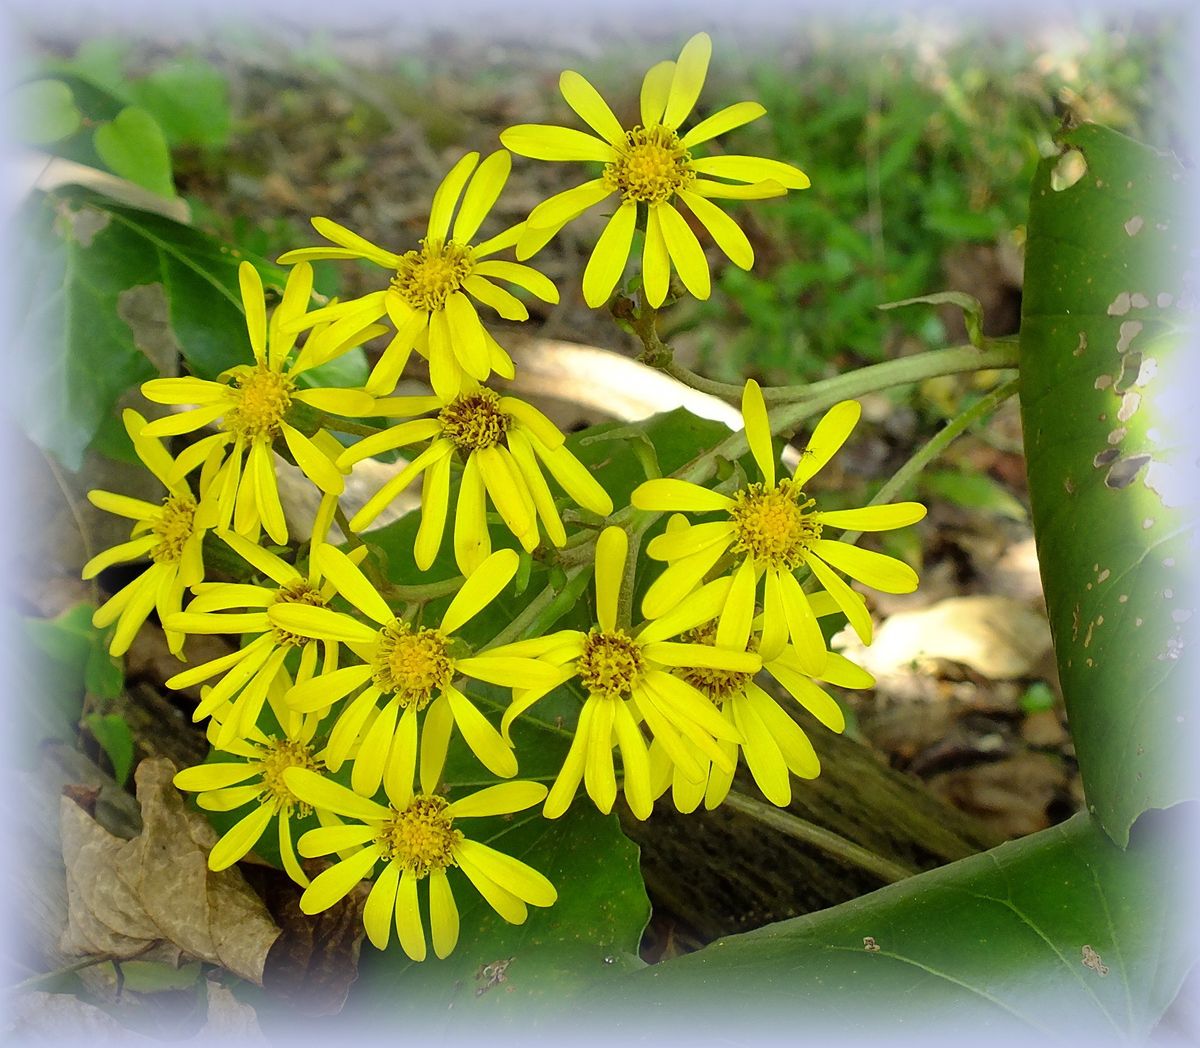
{"type": "Point", "coordinates": [682, 654]}
{"type": "Point", "coordinates": [591, 108]}
{"type": "Point", "coordinates": [873, 569]}
{"type": "Point", "coordinates": [214, 776]}
{"type": "Point", "coordinates": [435, 741]}
{"type": "Point", "coordinates": [344, 238]}
{"type": "Point", "coordinates": [599, 777]}
{"type": "Point", "coordinates": [874, 518]}
{"type": "Point", "coordinates": [322, 792]}
{"type": "Point", "coordinates": [526, 460]}
{"type": "Point", "coordinates": [762, 755]}
{"type": "Point", "coordinates": [612, 548]}
{"type": "Point", "coordinates": [485, 741]}
{"type": "Point", "coordinates": [635, 763]}
{"type": "Point", "coordinates": [562, 792]}
{"type": "Point", "coordinates": [611, 253]}
{"type": "Point", "coordinates": [814, 699]}
{"type": "Point", "coordinates": [260, 559]}
{"type": "Point", "coordinates": [724, 191]}
{"type": "Point", "coordinates": [333, 885]}
{"type": "Point", "coordinates": [402, 761]}
{"type": "Point", "coordinates": [313, 462]}
{"type": "Point", "coordinates": [507, 671]}
{"type": "Point", "coordinates": [256, 310]}
{"type": "Point", "coordinates": [547, 142]}
{"type": "Point", "coordinates": [466, 333]}
{"type": "Point", "coordinates": [656, 86]}
{"type": "Point", "coordinates": [667, 493]}
{"type": "Point", "coordinates": [797, 751]}
{"type": "Point", "coordinates": [724, 230]}
{"type": "Point", "coordinates": [511, 874]}
{"type": "Point", "coordinates": [523, 276]}
{"type": "Point", "coordinates": [472, 544]}
{"type": "Point", "coordinates": [367, 773]}
{"type": "Point", "coordinates": [499, 899]}
{"type": "Point", "coordinates": [185, 391]}
{"type": "Point", "coordinates": [752, 169]}
{"type": "Point", "coordinates": [679, 579]}
{"type": "Point", "coordinates": [656, 262]}
{"type": "Point", "coordinates": [690, 70]}
{"type": "Point", "coordinates": [502, 799]}
{"type": "Point", "coordinates": [240, 838]}
{"type": "Point", "coordinates": [774, 636]}
{"type": "Point", "coordinates": [503, 302]}
{"type": "Point", "coordinates": [556, 211]}
{"type": "Point", "coordinates": [443, 914]}
{"type": "Point", "coordinates": [330, 839]}
{"type": "Point", "coordinates": [389, 439]}
{"type": "Point", "coordinates": [446, 196]}
{"type": "Point", "coordinates": [378, 502]}
{"type": "Point", "coordinates": [320, 623]}
{"type": "Point", "coordinates": [827, 438]}
{"type": "Point", "coordinates": [481, 194]}
{"type": "Point", "coordinates": [435, 502]}
{"type": "Point", "coordinates": [851, 603]}
{"type": "Point", "coordinates": [805, 633]}
{"type": "Point", "coordinates": [689, 705]}
{"type": "Point", "coordinates": [126, 551]}
{"type": "Point", "coordinates": [574, 478]}
{"type": "Point", "coordinates": [351, 583]}
{"type": "Point", "coordinates": [507, 491]}
{"type": "Point", "coordinates": [351, 403]}
{"type": "Point", "coordinates": [377, 913]}
{"type": "Point", "coordinates": [686, 253]}
{"type": "Point", "coordinates": [480, 589]}
{"type": "Point", "coordinates": [721, 121]}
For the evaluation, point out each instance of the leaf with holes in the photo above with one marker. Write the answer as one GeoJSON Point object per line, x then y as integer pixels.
{"type": "Point", "coordinates": [1105, 399]}
{"type": "Point", "coordinates": [110, 296]}
{"type": "Point", "coordinates": [1060, 935]}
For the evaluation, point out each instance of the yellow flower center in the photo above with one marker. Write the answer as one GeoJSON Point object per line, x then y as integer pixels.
{"type": "Point", "coordinates": [770, 524]}
{"type": "Point", "coordinates": [174, 526]}
{"type": "Point", "coordinates": [426, 278]}
{"type": "Point", "coordinates": [717, 685]}
{"type": "Point", "coordinates": [278, 756]}
{"type": "Point", "coordinates": [261, 400]}
{"type": "Point", "coordinates": [421, 838]}
{"type": "Point", "coordinates": [297, 592]}
{"type": "Point", "coordinates": [652, 167]}
{"type": "Point", "coordinates": [474, 421]}
{"type": "Point", "coordinates": [611, 663]}
{"type": "Point", "coordinates": [412, 664]}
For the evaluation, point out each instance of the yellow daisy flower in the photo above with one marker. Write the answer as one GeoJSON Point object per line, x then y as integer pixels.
{"type": "Point", "coordinates": [413, 668]}
{"type": "Point", "coordinates": [500, 440]}
{"type": "Point", "coordinates": [258, 778]}
{"type": "Point", "coordinates": [431, 297]}
{"type": "Point", "coordinates": [170, 534]}
{"type": "Point", "coordinates": [772, 742]}
{"type": "Point", "coordinates": [250, 671]}
{"type": "Point", "coordinates": [253, 403]}
{"type": "Point", "coordinates": [652, 170]}
{"type": "Point", "coordinates": [771, 529]}
{"type": "Point", "coordinates": [628, 679]}
{"type": "Point", "coordinates": [416, 839]}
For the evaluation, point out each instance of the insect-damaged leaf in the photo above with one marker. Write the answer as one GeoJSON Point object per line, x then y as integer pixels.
{"type": "Point", "coordinates": [1106, 401]}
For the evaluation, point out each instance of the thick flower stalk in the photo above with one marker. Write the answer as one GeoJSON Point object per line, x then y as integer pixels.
{"type": "Point", "coordinates": [772, 743]}
{"type": "Point", "coordinates": [503, 444]}
{"type": "Point", "coordinates": [628, 679]}
{"type": "Point", "coordinates": [416, 838]}
{"type": "Point", "coordinates": [252, 404]}
{"type": "Point", "coordinates": [412, 669]}
{"type": "Point", "coordinates": [650, 170]}
{"type": "Point", "coordinates": [771, 529]}
{"type": "Point", "coordinates": [432, 295]}
{"type": "Point", "coordinates": [170, 534]}
{"type": "Point", "coordinates": [248, 673]}
{"type": "Point", "coordinates": [256, 779]}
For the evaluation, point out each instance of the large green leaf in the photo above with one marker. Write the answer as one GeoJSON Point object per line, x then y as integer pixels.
{"type": "Point", "coordinates": [105, 289]}
{"type": "Point", "coordinates": [1059, 935]}
{"type": "Point", "coordinates": [1105, 397]}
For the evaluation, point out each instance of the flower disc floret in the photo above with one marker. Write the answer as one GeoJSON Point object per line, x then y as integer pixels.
{"type": "Point", "coordinates": [427, 277]}
{"type": "Point", "coordinates": [261, 399]}
{"type": "Point", "coordinates": [414, 665]}
{"type": "Point", "coordinates": [474, 421]}
{"type": "Point", "coordinates": [276, 758]}
{"type": "Point", "coordinates": [421, 837]}
{"type": "Point", "coordinates": [173, 527]}
{"type": "Point", "coordinates": [770, 523]}
{"type": "Point", "coordinates": [611, 663]}
{"type": "Point", "coordinates": [652, 167]}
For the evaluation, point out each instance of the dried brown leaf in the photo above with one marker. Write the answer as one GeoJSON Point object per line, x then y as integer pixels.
{"type": "Point", "coordinates": [154, 897]}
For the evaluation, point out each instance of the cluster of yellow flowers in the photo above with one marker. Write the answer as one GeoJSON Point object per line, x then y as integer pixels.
{"type": "Point", "coordinates": [329, 676]}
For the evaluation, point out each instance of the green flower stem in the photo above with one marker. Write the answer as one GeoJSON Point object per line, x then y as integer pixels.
{"type": "Point", "coordinates": [996, 353]}
{"type": "Point", "coordinates": [785, 822]}
{"type": "Point", "coordinates": [533, 612]}
{"type": "Point", "coordinates": [342, 425]}
{"type": "Point", "coordinates": [936, 444]}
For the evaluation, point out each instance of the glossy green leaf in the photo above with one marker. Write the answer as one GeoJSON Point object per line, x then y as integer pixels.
{"type": "Point", "coordinates": [105, 291]}
{"type": "Point", "coordinates": [45, 111]}
{"type": "Point", "coordinates": [1106, 399]}
{"type": "Point", "coordinates": [500, 970]}
{"type": "Point", "coordinates": [133, 146]}
{"type": "Point", "coordinates": [1059, 935]}
{"type": "Point", "coordinates": [112, 732]}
